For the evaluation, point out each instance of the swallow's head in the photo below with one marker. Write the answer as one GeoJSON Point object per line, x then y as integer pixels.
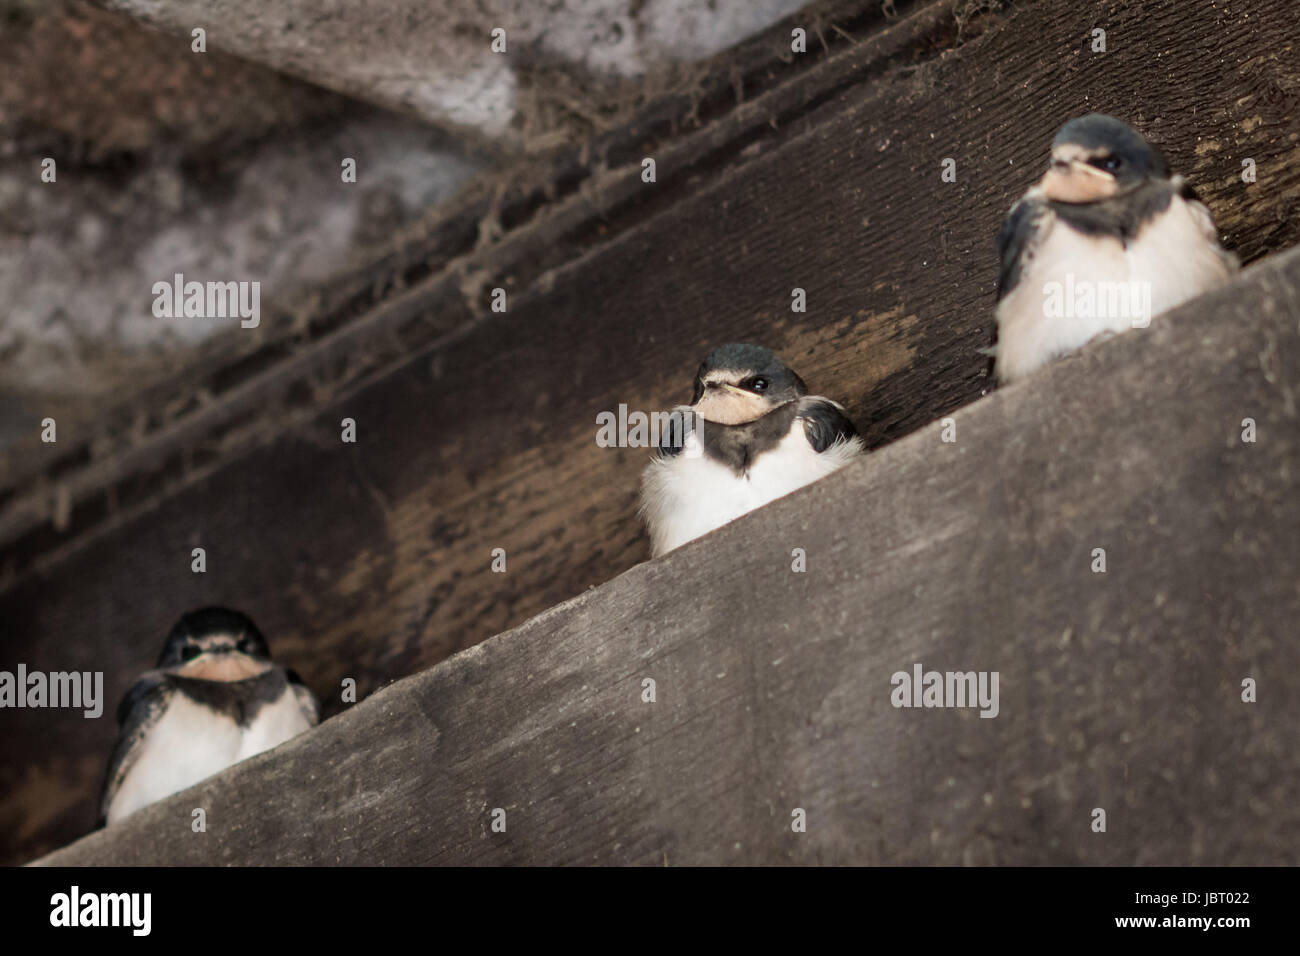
{"type": "Point", "coordinates": [1097, 157]}
{"type": "Point", "coordinates": [737, 384]}
{"type": "Point", "coordinates": [215, 643]}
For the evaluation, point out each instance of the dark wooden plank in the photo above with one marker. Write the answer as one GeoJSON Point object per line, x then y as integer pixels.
{"type": "Point", "coordinates": [1119, 691]}
{"type": "Point", "coordinates": [372, 561]}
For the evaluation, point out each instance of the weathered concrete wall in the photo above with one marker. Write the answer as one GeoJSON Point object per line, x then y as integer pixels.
{"type": "Point", "coordinates": [1120, 691]}
{"type": "Point", "coordinates": [168, 161]}
{"type": "Point", "coordinates": [565, 63]}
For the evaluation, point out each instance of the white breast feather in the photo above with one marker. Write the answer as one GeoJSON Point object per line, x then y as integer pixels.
{"type": "Point", "coordinates": [190, 743]}
{"type": "Point", "coordinates": [689, 494]}
{"type": "Point", "coordinates": [1178, 254]}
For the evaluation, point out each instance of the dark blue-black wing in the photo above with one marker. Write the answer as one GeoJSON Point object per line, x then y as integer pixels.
{"type": "Point", "coordinates": [306, 700]}
{"type": "Point", "coordinates": [674, 428]}
{"type": "Point", "coordinates": [825, 423]}
{"type": "Point", "coordinates": [1016, 241]}
{"type": "Point", "coordinates": [139, 710]}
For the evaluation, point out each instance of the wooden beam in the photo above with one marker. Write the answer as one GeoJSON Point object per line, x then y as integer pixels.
{"type": "Point", "coordinates": [1120, 691]}
{"type": "Point", "coordinates": [476, 430]}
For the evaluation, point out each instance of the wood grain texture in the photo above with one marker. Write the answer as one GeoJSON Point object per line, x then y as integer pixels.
{"type": "Point", "coordinates": [373, 561]}
{"type": "Point", "coordinates": [1119, 691]}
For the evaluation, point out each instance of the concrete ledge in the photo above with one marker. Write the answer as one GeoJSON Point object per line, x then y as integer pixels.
{"type": "Point", "coordinates": [1119, 691]}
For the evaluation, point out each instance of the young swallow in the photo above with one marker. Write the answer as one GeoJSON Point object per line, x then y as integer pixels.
{"type": "Point", "coordinates": [751, 434]}
{"type": "Point", "coordinates": [214, 699]}
{"type": "Point", "coordinates": [1105, 240]}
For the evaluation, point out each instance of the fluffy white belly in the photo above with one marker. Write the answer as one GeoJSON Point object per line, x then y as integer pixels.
{"type": "Point", "coordinates": [690, 494]}
{"type": "Point", "coordinates": [1175, 258]}
{"type": "Point", "coordinates": [190, 743]}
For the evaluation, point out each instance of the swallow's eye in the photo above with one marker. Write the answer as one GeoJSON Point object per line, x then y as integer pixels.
{"type": "Point", "coordinates": [758, 384]}
{"type": "Point", "coordinates": [189, 652]}
{"type": "Point", "coordinates": [1108, 163]}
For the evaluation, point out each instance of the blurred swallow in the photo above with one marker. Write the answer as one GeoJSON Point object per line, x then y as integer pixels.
{"type": "Point", "coordinates": [215, 698]}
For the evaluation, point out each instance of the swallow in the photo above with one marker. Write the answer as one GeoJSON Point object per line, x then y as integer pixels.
{"type": "Point", "coordinates": [751, 434]}
{"type": "Point", "coordinates": [214, 698]}
{"type": "Point", "coordinates": [1105, 240]}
